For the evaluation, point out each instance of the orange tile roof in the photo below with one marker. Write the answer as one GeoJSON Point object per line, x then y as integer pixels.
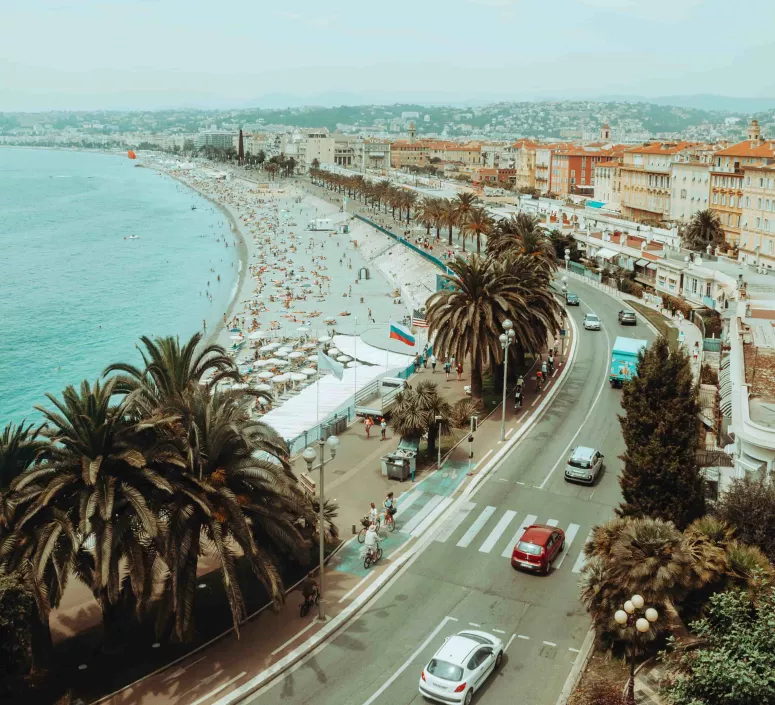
{"type": "Point", "coordinates": [662, 148]}
{"type": "Point", "coordinates": [529, 144]}
{"type": "Point", "coordinates": [611, 163]}
{"type": "Point", "coordinates": [748, 148]}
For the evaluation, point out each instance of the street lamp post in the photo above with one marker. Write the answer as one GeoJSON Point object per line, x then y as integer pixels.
{"type": "Point", "coordinates": [438, 420]}
{"type": "Point", "coordinates": [567, 257]}
{"type": "Point", "coordinates": [635, 622]}
{"type": "Point", "coordinates": [309, 456]}
{"type": "Point", "coordinates": [506, 338]}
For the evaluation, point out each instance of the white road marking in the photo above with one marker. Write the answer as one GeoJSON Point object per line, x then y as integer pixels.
{"type": "Point", "coordinates": [476, 527]}
{"type": "Point", "coordinates": [575, 651]}
{"type": "Point", "coordinates": [432, 517]}
{"type": "Point", "coordinates": [497, 532]}
{"type": "Point", "coordinates": [454, 521]}
{"type": "Point", "coordinates": [501, 479]}
{"type": "Point", "coordinates": [535, 401]}
{"type": "Point", "coordinates": [520, 483]}
{"type": "Point", "coordinates": [405, 502]}
{"type": "Point", "coordinates": [180, 671]}
{"type": "Point", "coordinates": [570, 534]}
{"type": "Point", "coordinates": [552, 522]}
{"type": "Point", "coordinates": [521, 636]}
{"type": "Point", "coordinates": [550, 643]}
{"type": "Point", "coordinates": [509, 432]}
{"type": "Point", "coordinates": [293, 638]}
{"type": "Point", "coordinates": [564, 454]}
{"type": "Point", "coordinates": [555, 372]}
{"type": "Point", "coordinates": [412, 524]}
{"type": "Point", "coordinates": [513, 636]}
{"type": "Point", "coordinates": [582, 559]}
{"type": "Point", "coordinates": [218, 689]}
{"type": "Point", "coordinates": [527, 521]}
{"type": "Point", "coordinates": [499, 631]}
{"type": "Point", "coordinates": [409, 661]}
{"type": "Point", "coordinates": [353, 589]}
{"type": "Point", "coordinates": [484, 457]}
{"type": "Point", "coordinates": [474, 624]}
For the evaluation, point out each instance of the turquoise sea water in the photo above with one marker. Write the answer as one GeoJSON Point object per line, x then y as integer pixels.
{"type": "Point", "coordinates": [74, 294]}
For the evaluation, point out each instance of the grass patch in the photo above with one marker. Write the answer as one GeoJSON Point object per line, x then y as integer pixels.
{"type": "Point", "coordinates": [659, 322]}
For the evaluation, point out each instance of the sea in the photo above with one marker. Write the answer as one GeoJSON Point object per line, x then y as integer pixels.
{"type": "Point", "coordinates": [94, 253]}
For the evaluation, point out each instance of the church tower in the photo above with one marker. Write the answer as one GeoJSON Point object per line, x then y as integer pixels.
{"type": "Point", "coordinates": [605, 133]}
{"type": "Point", "coordinates": [412, 133]}
{"type": "Point", "coordinates": [754, 132]}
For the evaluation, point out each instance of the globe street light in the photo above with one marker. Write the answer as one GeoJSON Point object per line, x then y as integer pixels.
{"type": "Point", "coordinates": [309, 456]}
{"type": "Point", "coordinates": [635, 623]}
{"type": "Point", "coordinates": [506, 338]}
{"type": "Point", "coordinates": [567, 257]}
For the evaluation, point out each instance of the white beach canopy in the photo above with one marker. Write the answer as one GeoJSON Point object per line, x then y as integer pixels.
{"type": "Point", "coordinates": [302, 329]}
{"type": "Point", "coordinates": [269, 347]}
{"type": "Point", "coordinates": [266, 374]}
{"type": "Point", "coordinates": [297, 376]}
{"type": "Point", "coordinates": [343, 358]}
{"type": "Point", "coordinates": [280, 379]}
{"type": "Point", "coordinates": [264, 387]}
{"type": "Point", "coordinates": [259, 335]}
{"type": "Point", "coordinates": [308, 371]}
{"type": "Point", "coordinates": [324, 338]}
{"type": "Point", "coordinates": [333, 351]}
{"type": "Point", "coordinates": [295, 355]}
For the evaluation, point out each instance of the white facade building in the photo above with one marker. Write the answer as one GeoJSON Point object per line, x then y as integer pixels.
{"type": "Point", "coordinates": [690, 190]}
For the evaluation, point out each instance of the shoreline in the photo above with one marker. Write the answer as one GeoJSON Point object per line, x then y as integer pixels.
{"type": "Point", "coordinates": [243, 253]}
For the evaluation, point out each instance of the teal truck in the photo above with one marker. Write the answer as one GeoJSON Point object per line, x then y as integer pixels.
{"type": "Point", "coordinates": [624, 359]}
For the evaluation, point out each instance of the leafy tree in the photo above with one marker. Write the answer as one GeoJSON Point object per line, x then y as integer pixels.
{"type": "Point", "coordinates": [703, 230]}
{"type": "Point", "coordinates": [415, 411]}
{"type": "Point", "coordinates": [736, 664]}
{"type": "Point", "coordinates": [660, 477]}
{"type": "Point", "coordinates": [748, 506]}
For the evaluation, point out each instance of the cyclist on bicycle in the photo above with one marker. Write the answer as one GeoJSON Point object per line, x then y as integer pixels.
{"type": "Point", "coordinates": [518, 398]}
{"type": "Point", "coordinates": [539, 380]}
{"type": "Point", "coordinates": [372, 515]}
{"type": "Point", "coordinates": [372, 541]}
{"type": "Point", "coordinates": [550, 363]}
{"type": "Point", "coordinates": [520, 383]}
{"type": "Point", "coordinates": [309, 589]}
{"type": "Point", "coordinates": [390, 508]}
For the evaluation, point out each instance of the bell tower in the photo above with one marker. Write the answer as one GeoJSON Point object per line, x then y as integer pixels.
{"type": "Point", "coordinates": [412, 130]}
{"type": "Point", "coordinates": [605, 133]}
{"type": "Point", "coordinates": [754, 132]}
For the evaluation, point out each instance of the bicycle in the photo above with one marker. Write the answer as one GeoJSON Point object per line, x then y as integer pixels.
{"type": "Point", "coordinates": [372, 558]}
{"type": "Point", "coordinates": [366, 524]}
{"type": "Point", "coordinates": [305, 606]}
{"type": "Point", "coordinates": [390, 525]}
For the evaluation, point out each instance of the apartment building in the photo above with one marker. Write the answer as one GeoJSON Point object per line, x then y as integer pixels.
{"type": "Point", "coordinates": [573, 170]}
{"type": "Point", "coordinates": [757, 225]}
{"type": "Point", "coordinates": [689, 189]}
{"type": "Point", "coordinates": [608, 183]}
{"type": "Point", "coordinates": [726, 182]}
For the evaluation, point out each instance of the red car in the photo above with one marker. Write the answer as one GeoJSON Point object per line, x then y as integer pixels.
{"type": "Point", "coordinates": [538, 547]}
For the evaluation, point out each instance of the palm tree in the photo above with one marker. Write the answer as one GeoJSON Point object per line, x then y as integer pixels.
{"type": "Point", "coordinates": [703, 230]}
{"type": "Point", "coordinates": [20, 448]}
{"type": "Point", "coordinates": [466, 318]}
{"type": "Point", "coordinates": [464, 205]}
{"type": "Point", "coordinates": [520, 234]}
{"type": "Point", "coordinates": [424, 213]}
{"type": "Point", "coordinates": [408, 201]}
{"type": "Point", "coordinates": [416, 411]}
{"type": "Point", "coordinates": [448, 217]}
{"type": "Point", "coordinates": [478, 223]}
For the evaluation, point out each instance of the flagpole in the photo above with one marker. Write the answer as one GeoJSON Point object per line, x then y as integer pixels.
{"type": "Point", "coordinates": [355, 359]}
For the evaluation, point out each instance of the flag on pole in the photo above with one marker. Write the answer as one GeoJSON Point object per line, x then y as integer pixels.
{"type": "Point", "coordinates": [398, 332]}
{"type": "Point", "coordinates": [418, 319]}
{"type": "Point", "coordinates": [328, 363]}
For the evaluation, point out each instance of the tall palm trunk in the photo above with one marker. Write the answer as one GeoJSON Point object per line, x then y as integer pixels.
{"type": "Point", "coordinates": [478, 243]}
{"type": "Point", "coordinates": [476, 381]}
{"type": "Point", "coordinates": [42, 646]}
{"type": "Point", "coordinates": [449, 241]}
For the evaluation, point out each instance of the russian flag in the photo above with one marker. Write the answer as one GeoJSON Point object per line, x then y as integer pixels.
{"type": "Point", "coordinates": [398, 332]}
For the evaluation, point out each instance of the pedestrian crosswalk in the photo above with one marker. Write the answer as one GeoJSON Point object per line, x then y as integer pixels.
{"type": "Point", "coordinates": [488, 529]}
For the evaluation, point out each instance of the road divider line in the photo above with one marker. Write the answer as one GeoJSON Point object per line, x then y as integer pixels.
{"type": "Point", "coordinates": [578, 566]}
{"type": "Point", "coordinates": [408, 661]}
{"type": "Point", "coordinates": [575, 651]}
{"type": "Point", "coordinates": [499, 631]}
{"type": "Point", "coordinates": [509, 432]}
{"type": "Point", "coordinates": [570, 534]}
{"type": "Point", "coordinates": [293, 638]}
{"type": "Point", "coordinates": [522, 636]}
{"type": "Point", "coordinates": [484, 457]}
{"type": "Point", "coordinates": [550, 643]}
{"type": "Point", "coordinates": [353, 589]}
{"type": "Point", "coordinates": [513, 636]}
{"type": "Point", "coordinates": [218, 689]}
{"type": "Point", "coordinates": [474, 624]}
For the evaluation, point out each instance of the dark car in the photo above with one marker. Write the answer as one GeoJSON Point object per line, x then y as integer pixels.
{"type": "Point", "coordinates": [572, 300]}
{"type": "Point", "coordinates": [627, 318]}
{"type": "Point", "coordinates": [538, 548]}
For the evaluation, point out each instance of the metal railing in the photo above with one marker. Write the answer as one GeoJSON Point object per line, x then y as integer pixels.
{"type": "Point", "coordinates": [714, 459]}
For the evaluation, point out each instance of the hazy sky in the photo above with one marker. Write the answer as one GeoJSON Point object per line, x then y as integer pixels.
{"type": "Point", "coordinates": [90, 54]}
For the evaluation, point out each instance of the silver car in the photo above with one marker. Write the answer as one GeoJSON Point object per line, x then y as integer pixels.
{"type": "Point", "coordinates": [591, 322]}
{"type": "Point", "coordinates": [583, 465]}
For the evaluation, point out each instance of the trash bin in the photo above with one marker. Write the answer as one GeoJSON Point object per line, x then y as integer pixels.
{"type": "Point", "coordinates": [385, 460]}
{"type": "Point", "coordinates": [397, 468]}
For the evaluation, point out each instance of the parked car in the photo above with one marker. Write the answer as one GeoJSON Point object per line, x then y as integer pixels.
{"type": "Point", "coordinates": [591, 322]}
{"type": "Point", "coordinates": [461, 666]}
{"type": "Point", "coordinates": [538, 547]}
{"type": "Point", "coordinates": [583, 465]}
{"type": "Point", "coordinates": [572, 300]}
{"type": "Point", "coordinates": [627, 318]}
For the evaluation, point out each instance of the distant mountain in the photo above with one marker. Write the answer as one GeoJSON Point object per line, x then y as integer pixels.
{"type": "Point", "coordinates": [705, 101]}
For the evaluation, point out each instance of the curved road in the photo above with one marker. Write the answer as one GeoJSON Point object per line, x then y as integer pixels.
{"type": "Point", "coordinates": [465, 578]}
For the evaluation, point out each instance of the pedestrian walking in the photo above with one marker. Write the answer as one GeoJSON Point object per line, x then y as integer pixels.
{"type": "Point", "coordinates": [696, 351]}
{"type": "Point", "coordinates": [433, 364]}
{"type": "Point", "coordinates": [416, 362]}
{"type": "Point", "coordinates": [447, 368]}
{"type": "Point", "coordinates": [368, 424]}
{"type": "Point", "coordinates": [459, 371]}
{"type": "Point", "coordinates": [383, 429]}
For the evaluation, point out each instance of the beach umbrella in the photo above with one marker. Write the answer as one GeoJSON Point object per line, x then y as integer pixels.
{"type": "Point", "coordinates": [309, 346]}
{"type": "Point", "coordinates": [237, 337]}
{"type": "Point", "coordinates": [297, 376]}
{"type": "Point", "coordinates": [324, 339]}
{"type": "Point", "coordinates": [239, 385]}
{"type": "Point", "coordinates": [264, 387]}
{"type": "Point", "coordinates": [281, 353]}
{"type": "Point", "coordinates": [308, 371]}
{"type": "Point", "coordinates": [343, 358]}
{"type": "Point", "coordinates": [266, 374]}
{"type": "Point", "coordinates": [295, 355]}
{"type": "Point", "coordinates": [280, 379]}
{"type": "Point", "coordinates": [333, 351]}
{"type": "Point", "coordinates": [273, 361]}
{"type": "Point", "coordinates": [260, 334]}
{"type": "Point", "coordinates": [354, 363]}
{"type": "Point", "coordinates": [302, 329]}
{"type": "Point", "coordinates": [282, 363]}
{"type": "Point", "coordinates": [269, 347]}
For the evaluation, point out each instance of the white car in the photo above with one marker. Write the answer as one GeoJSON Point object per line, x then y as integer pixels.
{"type": "Point", "coordinates": [591, 322]}
{"type": "Point", "coordinates": [461, 666]}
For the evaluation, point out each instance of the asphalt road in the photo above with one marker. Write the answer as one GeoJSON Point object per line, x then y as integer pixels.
{"type": "Point", "coordinates": [465, 578]}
